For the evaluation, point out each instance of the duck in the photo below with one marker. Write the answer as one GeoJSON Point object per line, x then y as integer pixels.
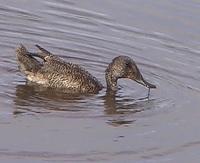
{"type": "Point", "coordinates": [51, 71]}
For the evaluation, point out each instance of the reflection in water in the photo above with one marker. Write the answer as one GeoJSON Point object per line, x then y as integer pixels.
{"type": "Point", "coordinates": [91, 33]}
{"type": "Point", "coordinates": [37, 99]}
{"type": "Point", "coordinates": [32, 98]}
{"type": "Point", "coordinates": [117, 105]}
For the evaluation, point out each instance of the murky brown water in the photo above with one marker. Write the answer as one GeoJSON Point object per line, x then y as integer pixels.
{"type": "Point", "coordinates": [163, 37]}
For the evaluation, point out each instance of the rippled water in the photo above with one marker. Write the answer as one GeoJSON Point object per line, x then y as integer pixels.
{"type": "Point", "coordinates": [163, 37]}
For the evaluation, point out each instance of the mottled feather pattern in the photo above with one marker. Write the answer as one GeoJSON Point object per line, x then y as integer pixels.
{"type": "Point", "coordinates": [71, 76]}
{"type": "Point", "coordinates": [54, 72]}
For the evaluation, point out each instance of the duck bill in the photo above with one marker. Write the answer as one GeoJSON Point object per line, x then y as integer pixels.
{"type": "Point", "coordinates": [149, 85]}
{"type": "Point", "coordinates": [145, 83]}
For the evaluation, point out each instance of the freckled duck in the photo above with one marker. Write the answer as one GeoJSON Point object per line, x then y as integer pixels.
{"type": "Point", "coordinates": [56, 73]}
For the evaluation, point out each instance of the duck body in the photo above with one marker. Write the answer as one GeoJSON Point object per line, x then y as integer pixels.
{"type": "Point", "coordinates": [53, 72]}
{"type": "Point", "coordinates": [71, 77]}
{"type": "Point", "coordinates": [56, 73]}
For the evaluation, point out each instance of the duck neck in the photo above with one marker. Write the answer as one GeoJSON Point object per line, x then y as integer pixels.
{"type": "Point", "coordinates": [111, 80]}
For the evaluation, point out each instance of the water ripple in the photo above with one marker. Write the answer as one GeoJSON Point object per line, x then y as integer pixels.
{"type": "Point", "coordinates": [166, 52]}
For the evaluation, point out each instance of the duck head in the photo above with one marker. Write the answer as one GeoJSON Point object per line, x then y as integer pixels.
{"type": "Point", "coordinates": [124, 67]}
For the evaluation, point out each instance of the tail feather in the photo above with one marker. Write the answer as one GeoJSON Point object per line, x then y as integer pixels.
{"type": "Point", "coordinates": [43, 50]}
{"type": "Point", "coordinates": [27, 63]}
{"type": "Point", "coordinates": [45, 54]}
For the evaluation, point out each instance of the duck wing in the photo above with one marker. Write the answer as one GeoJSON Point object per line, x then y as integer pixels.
{"type": "Point", "coordinates": [45, 55]}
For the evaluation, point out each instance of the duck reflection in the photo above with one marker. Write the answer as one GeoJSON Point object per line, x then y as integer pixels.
{"type": "Point", "coordinates": [119, 110]}
{"type": "Point", "coordinates": [124, 108]}
{"type": "Point", "coordinates": [37, 99]}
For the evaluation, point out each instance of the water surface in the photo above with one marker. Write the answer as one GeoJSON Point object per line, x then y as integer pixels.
{"type": "Point", "coordinates": [45, 126]}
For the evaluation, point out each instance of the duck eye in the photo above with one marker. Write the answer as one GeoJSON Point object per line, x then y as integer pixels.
{"type": "Point", "coordinates": [128, 65]}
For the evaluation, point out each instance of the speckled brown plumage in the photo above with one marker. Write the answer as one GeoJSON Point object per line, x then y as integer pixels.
{"type": "Point", "coordinates": [56, 73]}
{"type": "Point", "coordinates": [124, 67]}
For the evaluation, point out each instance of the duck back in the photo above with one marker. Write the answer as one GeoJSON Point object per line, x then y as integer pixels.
{"type": "Point", "coordinates": [70, 76]}
{"type": "Point", "coordinates": [56, 73]}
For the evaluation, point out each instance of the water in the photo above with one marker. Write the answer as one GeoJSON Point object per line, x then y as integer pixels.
{"type": "Point", "coordinates": [161, 36]}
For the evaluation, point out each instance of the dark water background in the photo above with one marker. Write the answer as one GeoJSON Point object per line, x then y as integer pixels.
{"type": "Point", "coordinates": [163, 37]}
